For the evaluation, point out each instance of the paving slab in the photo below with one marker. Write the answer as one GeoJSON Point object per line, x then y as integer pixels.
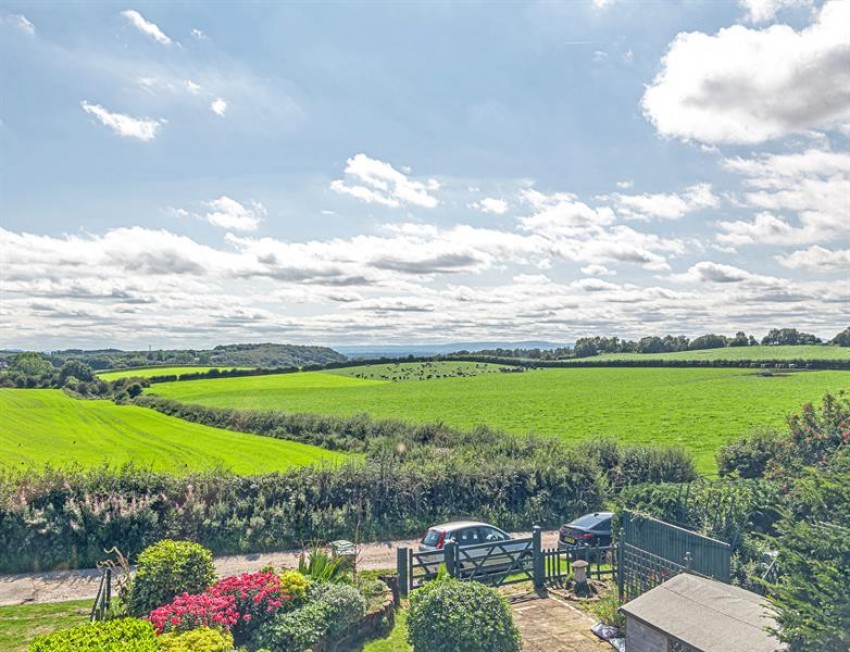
{"type": "Point", "coordinates": [550, 625]}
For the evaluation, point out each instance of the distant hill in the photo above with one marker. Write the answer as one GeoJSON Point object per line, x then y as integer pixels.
{"type": "Point", "coordinates": [372, 351]}
{"type": "Point", "coordinates": [229, 355]}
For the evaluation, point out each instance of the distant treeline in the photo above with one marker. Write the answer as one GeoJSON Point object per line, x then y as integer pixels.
{"type": "Point", "coordinates": [590, 346]}
{"type": "Point", "coordinates": [407, 478]}
{"type": "Point", "coordinates": [769, 365]}
{"type": "Point", "coordinates": [229, 355]}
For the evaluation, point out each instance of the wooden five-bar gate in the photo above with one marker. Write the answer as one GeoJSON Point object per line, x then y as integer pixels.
{"type": "Point", "coordinates": [501, 562]}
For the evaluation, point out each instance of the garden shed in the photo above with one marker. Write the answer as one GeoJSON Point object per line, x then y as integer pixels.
{"type": "Point", "coordinates": [689, 613]}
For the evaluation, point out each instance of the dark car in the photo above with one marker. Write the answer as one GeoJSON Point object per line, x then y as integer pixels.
{"type": "Point", "coordinates": [590, 530]}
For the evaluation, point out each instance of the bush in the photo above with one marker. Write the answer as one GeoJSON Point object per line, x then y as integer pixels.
{"type": "Point", "coordinates": [295, 585]}
{"type": "Point", "coordinates": [343, 606]}
{"type": "Point", "coordinates": [167, 569]}
{"type": "Point", "coordinates": [124, 635]}
{"type": "Point", "coordinates": [749, 457]}
{"type": "Point", "coordinates": [187, 612]}
{"type": "Point", "coordinates": [293, 631]}
{"type": "Point", "coordinates": [453, 616]}
{"type": "Point", "coordinates": [256, 598]}
{"type": "Point", "coordinates": [197, 640]}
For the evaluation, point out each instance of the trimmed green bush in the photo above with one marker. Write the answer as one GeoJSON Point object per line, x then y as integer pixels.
{"type": "Point", "coordinates": [293, 631]}
{"type": "Point", "coordinates": [167, 569]}
{"type": "Point", "coordinates": [448, 615]}
{"type": "Point", "coordinates": [343, 605]}
{"type": "Point", "coordinates": [197, 640]}
{"type": "Point", "coordinates": [123, 635]}
{"type": "Point", "coordinates": [295, 585]}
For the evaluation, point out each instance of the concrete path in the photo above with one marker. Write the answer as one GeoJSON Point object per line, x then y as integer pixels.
{"type": "Point", "coordinates": [58, 586]}
{"type": "Point", "coordinates": [549, 625]}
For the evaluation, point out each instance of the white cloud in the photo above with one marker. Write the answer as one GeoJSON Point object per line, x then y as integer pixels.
{"type": "Point", "coordinates": [628, 56]}
{"type": "Point", "coordinates": [192, 87]}
{"type": "Point", "coordinates": [665, 206]}
{"type": "Point", "coordinates": [20, 22]}
{"type": "Point", "coordinates": [711, 272]}
{"type": "Point", "coordinates": [748, 86]}
{"type": "Point", "coordinates": [124, 125]}
{"type": "Point", "coordinates": [602, 4]}
{"type": "Point", "coordinates": [199, 35]}
{"type": "Point", "coordinates": [219, 107]}
{"type": "Point", "coordinates": [491, 205]}
{"type": "Point", "coordinates": [383, 184]}
{"type": "Point", "coordinates": [597, 270]}
{"type": "Point", "coordinates": [816, 259]}
{"type": "Point", "coordinates": [228, 213]}
{"type": "Point", "coordinates": [625, 184]}
{"type": "Point", "coordinates": [761, 11]}
{"type": "Point", "coordinates": [146, 27]}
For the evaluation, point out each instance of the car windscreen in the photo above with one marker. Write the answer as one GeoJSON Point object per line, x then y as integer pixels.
{"type": "Point", "coordinates": [590, 521]}
{"type": "Point", "coordinates": [431, 537]}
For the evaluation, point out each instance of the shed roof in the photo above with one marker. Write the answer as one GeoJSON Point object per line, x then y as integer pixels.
{"type": "Point", "coordinates": [707, 615]}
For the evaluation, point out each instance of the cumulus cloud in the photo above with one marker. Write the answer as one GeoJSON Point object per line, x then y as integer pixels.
{"type": "Point", "coordinates": [490, 205]}
{"type": "Point", "coordinates": [192, 87]}
{"type": "Point", "coordinates": [817, 259]}
{"type": "Point", "coordinates": [711, 272]}
{"type": "Point", "coordinates": [228, 213]}
{"type": "Point", "coordinates": [597, 270]}
{"type": "Point", "coordinates": [665, 206]}
{"type": "Point", "coordinates": [20, 22]}
{"type": "Point", "coordinates": [219, 107]}
{"type": "Point", "coordinates": [124, 125]}
{"type": "Point", "coordinates": [146, 27]}
{"type": "Point", "coordinates": [760, 11]}
{"type": "Point", "coordinates": [378, 182]}
{"type": "Point", "coordinates": [746, 85]}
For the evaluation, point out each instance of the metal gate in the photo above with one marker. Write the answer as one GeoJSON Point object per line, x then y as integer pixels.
{"type": "Point", "coordinates": [652, 551]}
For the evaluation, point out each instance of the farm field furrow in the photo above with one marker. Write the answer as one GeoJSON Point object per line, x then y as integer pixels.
{"type": "Point", "coordinates": [699, 409]}
{"type": "Point", "coordinates": [45, 426]}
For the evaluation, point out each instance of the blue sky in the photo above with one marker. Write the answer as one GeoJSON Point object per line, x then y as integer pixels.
{"type": "Point", "coordinates": [191, 174]}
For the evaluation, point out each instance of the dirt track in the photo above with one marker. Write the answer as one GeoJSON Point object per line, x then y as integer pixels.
{"type": "Point", "coordinates": [58, 586]}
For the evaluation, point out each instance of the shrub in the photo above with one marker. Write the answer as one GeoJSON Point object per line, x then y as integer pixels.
{"type": "Point", "coordinates": [192, 611]}
{"type": "Point", "coordinates": [295, 585]}
{"type": "Point", "coordinates": [293, 631]}
{"type": "Point", "coordinates": [167, 569]}
{"type": "Point", "coordinates": [749, 457]}
{"type": "Point", "coordinates": [124, 635]}
{"type": "Point", "coordinates": [343, 606]}
{"type": "Point", "coordinates": [256, 598]}
{"type": "Point", "coordinates": [197, 640]}
{"type": "Point", "coordinates": [320, 566]}
{"type": "Point", "coordinates": [453, 616]}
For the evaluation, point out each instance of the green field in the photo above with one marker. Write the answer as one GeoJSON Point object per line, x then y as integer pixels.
{"type": "Point", "coordinates": [804, 352]}
{"type": "Point", "coordinates": [20, 624]}
{"type": "Point", "coordinates": [697, 408]}
{"type": "Point", "coordinates": [401, 371]}
{"type": "Point", "coordinates": [46, 426]}
{"type": "Point", "coordinates": [147, 372]}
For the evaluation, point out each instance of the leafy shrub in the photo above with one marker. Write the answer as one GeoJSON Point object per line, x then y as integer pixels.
{"type": "Point", "coordinates": [634, 464]}
{"type": "Point", "coordinates": [293, 631]}
{"type": "Point", "coordinates": [122, 635]}
{"type": "Point", "coordinates": [607, 609]}
{"type": "Point", "coordinates": [320, 566]}
{"type": "Point", "coordinates": [197, 640]}
{"type": "Point", "coordinates": [749, 457]}
{"type": "Point", "coordinates": [448, 615]}
{"type": "Point", "coordinates": [294, 584]}
{"type": "Point", "coordinates": [256, 598]}
{"type": "Point", "coordinates": [187, 612]}
{"type": "Point", "coordinates": [167, 569]}
{"type": "Point", "coordinates": [343, 606]}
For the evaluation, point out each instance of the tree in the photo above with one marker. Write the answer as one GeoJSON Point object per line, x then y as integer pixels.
{"type": "Point", "coordinates": [77, 369]}
{"type": "Point", "coordinates": [31, 363]}
{"type": "Point", "coordinates": [709, 341]}
{"type": "Point", "coordinates": [842, 339]}
{"type": "Point", "coordinates": [740, 339]}
{"type": "Point", "coordinates": [789, 336]}
{"type": "Point", "coordinates": [651, 345]}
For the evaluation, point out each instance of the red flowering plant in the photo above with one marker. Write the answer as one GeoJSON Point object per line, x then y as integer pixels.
{"type": "Point", "coordinates": [237, 604]}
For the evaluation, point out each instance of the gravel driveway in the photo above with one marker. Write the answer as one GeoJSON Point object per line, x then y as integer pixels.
{"type": "Point", "coordinates": [58, 586]}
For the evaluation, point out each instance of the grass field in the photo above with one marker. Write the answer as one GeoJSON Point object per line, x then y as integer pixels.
{"type": "Point", "coordinates": [46, 426]}
{"type": "Point", "coordinates": [806, 352]}
{"type": "Point", "coordinates": [147, 372]}
{"type": "Point", "coordinates": [400, 371]}
{"type": "Point", "coordinates": [20, 624]}
{"type": "Point", "coordinates": [697, 408]}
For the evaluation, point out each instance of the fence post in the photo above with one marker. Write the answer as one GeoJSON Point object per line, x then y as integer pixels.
{"type": "Point", "coordinates": [450, 556]}
{"type": "Point", "coordinates": [537, 558]}
{"type": "Point", "coordinates": [621, 535]}
{"type": "Point", "coordinates": [403, 566]}
{"type": "Point", "coordinates": [108, 589]}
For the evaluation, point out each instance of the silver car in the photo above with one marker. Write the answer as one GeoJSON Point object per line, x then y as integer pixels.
{"type": "Point", "coordinates": [471, 538]}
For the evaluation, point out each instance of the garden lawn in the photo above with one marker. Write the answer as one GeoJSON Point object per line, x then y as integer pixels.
{"type": "Point", "coordinates": [147, 372]}
{"type": "Point", "coordinates": [42, 426]}
{"type": "Point", "coordinates": [395, 641]}
{"type": "Point", "coordinates": [697, 408]}
{"type": "Point", "coordinates": [20, 624]}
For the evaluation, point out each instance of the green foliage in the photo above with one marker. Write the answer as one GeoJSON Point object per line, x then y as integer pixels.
{"type": "Point", "coordinates": [294, 584]}
{"type": "Point", "coordinates": [751, 455]}
{"type": "Point", "coordinates": [203, 639]}
{"type": "Point", "coordinates": [607, 609]}
{"type": "Point", "coordinates": [333, 609]}
{"type": "Point", "coordinates": [788, 336]}
{"type": "Point", "coordinates": [842, 339]}
{"type": "Point", "coordinates": [320, 566]}
{"type": "Point", "coordinates": [448, 615]}
{"type": "Point", "coordinates": [626, 465]}
{"type": "Point", "coordinates": [30, 363]}
{"type": "Point", "coordinates": [167, 569]}
{"type": "Point", "coordinates": [122, 635]}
